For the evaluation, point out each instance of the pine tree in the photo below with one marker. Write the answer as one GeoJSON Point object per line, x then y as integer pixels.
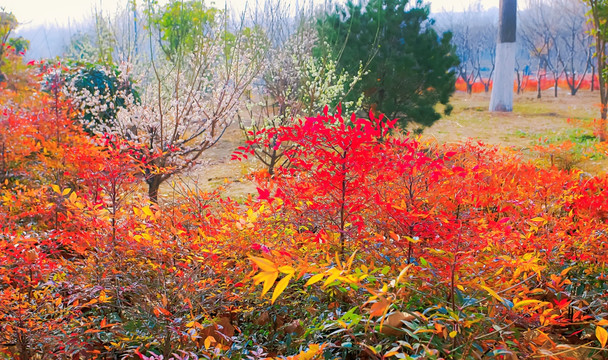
{"type": "Point", "coordinates": [409, 67]}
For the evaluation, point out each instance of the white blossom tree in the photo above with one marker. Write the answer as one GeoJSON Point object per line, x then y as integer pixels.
{"type": "Point", "coordinates": [192, 86]}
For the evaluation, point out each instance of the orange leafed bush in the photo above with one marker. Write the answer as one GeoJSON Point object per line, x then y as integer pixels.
{"type": "Point", "coordinates": [367, 244]}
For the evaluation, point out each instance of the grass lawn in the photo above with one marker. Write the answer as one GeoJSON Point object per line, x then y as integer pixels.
{"type": "Point", "coordinates": [532, 122]}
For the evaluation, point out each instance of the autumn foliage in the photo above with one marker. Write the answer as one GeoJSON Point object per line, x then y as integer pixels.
{"type": "Point", "coordinates": [366, 244]}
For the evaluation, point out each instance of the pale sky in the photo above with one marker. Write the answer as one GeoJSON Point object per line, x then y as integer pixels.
{"type": "Point", "coordinates": [60, 12]}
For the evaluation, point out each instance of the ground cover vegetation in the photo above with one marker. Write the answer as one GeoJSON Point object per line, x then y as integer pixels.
{"type": "Point", "coordinates": [360, 241]}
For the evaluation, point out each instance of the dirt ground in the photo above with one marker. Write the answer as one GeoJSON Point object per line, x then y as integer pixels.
{"type": "Point", "coordinates": [532, 119]}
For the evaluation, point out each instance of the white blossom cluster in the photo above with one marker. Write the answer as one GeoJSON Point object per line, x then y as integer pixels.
{"type": "Point", "coordinates": [97, 106]}
{"type": "Point", "coordinates": [296, 83]}
{"type": "Point", "coordinates": [325, 85]}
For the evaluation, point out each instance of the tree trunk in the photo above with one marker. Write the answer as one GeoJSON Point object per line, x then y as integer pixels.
{"type": "Point", "coordinates": [602, 125]}
{"type": "Point", "coordinates": [502, 90]}
{"type": "Point", "coordinates": [571, 84]}
{"type": "Point", "coordinates": [598, 9]}
{"type": "Point", "coordinates": [153, 186]}
{"type": "Point", "coordinates": [555, 80]}
{"type": "Point", "coordinates": [601, 66]}
{"type": "Point", "coordinates": [601, 133]}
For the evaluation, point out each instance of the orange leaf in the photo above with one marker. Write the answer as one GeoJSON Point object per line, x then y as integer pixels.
{"type": "Point", "coordinates": [379, 308]}
{"type": "Point", "coordinates": [160, 310]}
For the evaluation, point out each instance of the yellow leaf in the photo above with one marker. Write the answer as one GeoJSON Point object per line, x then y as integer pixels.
{"type": "Point", "coordinates": [103, 297]}
{"type": "Point", "coordinates": [259, 278]}
{"type": "Point", "coordinates": [314, 279]}
{"type": "Point", "coordinates": [269, 279]}
{"type": "Point", "coordinates": [65, 192]}
{"type": "Point", "coordinates": [565, 271]}
{"type": "Point", "coordinates": [350, 260]}
{"type": "Point", "coordinates": [56, 189]}
{"type": "Point", "coordinates": [281, 285]}
{"type": "Point", "coordinates": [73, 197]}
{"type": "Point", "coordinates": [287, 270]}
{"type": "Point", "coordinates": [538, 219]}
{"type": "Point", "coordinates": [335, 274]}
{"type": "Point", "coordinates": [525, 303]}
{"type": "Point", "coordinates": [453, 334]}
{"type": "Point", "coordinates": [91, 302]}
{"type": "Point", "coordinates": [602, 335]}
{"type": "Point", "coordinates": [371, 349]}
{"type": "Point", "coordinates": [265, 265]}
{"type": "Point", "coordinates": [147, 211]}
{"type": "Point", "coordinates": [402, 273]}
{"type": "Point", "coordinates": [208, 340]}
{"type": "Point", "coordinates": [493, 293]}
{"type": "Point", "coordinates": [412, 240]}
{"type": "Point", "coordinates": [602, 322]}
{"type": "Point", "coordinates": [338, 263]}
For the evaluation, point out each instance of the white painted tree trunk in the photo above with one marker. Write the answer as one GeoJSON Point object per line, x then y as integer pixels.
{"type": "Point", "coordinates": [502, 89]}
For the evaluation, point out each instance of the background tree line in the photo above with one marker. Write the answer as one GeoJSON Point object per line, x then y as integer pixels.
{"type": "Point", "coordinates": [174, 77]}
{"type": "Point", "coordinates": [554, 43]}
